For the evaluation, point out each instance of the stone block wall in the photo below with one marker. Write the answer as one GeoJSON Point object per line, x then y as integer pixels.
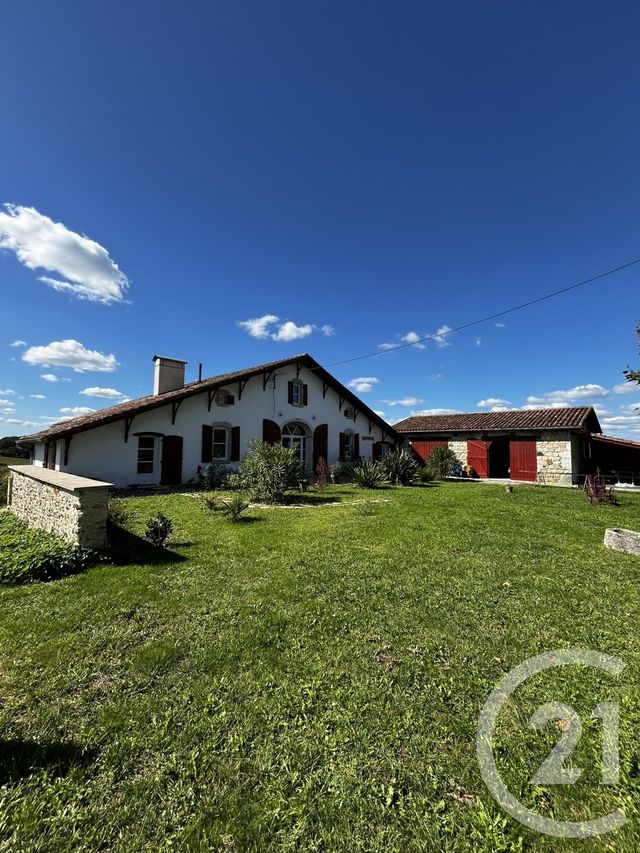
{"type": "Point", "coordinates": [554, 458]}
{"type": "Point", "coordinates": [72, 508]}
{"type": "Point", "coordinates": [460, 449]}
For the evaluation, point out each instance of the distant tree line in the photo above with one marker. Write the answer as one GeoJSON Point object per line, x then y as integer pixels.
{"type": "Point", "coordinates": [9, 447]}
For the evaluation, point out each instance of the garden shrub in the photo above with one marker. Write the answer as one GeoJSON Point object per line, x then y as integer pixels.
{"type": "Point", "coordinates": [234, 507]}
{"type": "Point", "coordinates": [4, 480]}
{"type": "Point", "coordinates": [322, 473]}
{"type": "Point", "coordinates": [28, 555]}
{"type": "Point", "coordinates": [368, 474]}
{"type": "Point", "coordinates": [212, 475]}
{"type": "Point", "coordinates": [425, 475]}
{"type": "Point", "coordinates": [117, 513]}
{"type": "Point", "coordinates": [268, 471]}
{"type": "Point", "coordinates": [441, 461]}
{"type": "Point", "coordinates": [158, 530]}
{"type": "Point", "coordinates": [400, 467]}
{"type": "Point", "coordinates": [210, 501]}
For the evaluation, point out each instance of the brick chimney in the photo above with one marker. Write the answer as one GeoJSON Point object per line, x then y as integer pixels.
{"type": "Point", "coordinates": [168, 374]}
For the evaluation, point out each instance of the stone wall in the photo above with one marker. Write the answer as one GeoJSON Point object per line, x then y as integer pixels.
{"type": "Point", "coordinates": [554, 458]}
{"type": "Point", "coordinates": [460, 449]}
{"type": "Point", "coordinates": [72, 508]}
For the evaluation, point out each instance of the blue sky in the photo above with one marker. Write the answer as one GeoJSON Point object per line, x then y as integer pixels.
{"type": "Point", "coordinates": [176, 170]}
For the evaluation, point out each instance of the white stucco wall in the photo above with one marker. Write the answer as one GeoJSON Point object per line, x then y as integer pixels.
{"type": "Point", "coordinates": [103, 454]}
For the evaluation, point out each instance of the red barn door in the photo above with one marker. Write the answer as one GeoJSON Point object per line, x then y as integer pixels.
{"type": "Point", "coordinates": [524, 459]}
{"type": "Point", "coordinates": [478, 456]}
{"type": "Point", "coordinates": [424, 448]}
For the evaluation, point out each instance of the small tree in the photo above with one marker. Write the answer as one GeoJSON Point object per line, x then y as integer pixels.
{"type": "Point", "coordinates": [158, 530]}
{"type": "Point", "coordinates": [634, 375]}
{"type": "Point", "coordinates": [441, 461]}
{"type": "Point", "coordinates": [269, 470]}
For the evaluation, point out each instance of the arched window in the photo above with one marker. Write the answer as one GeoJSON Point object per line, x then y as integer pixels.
{"type": "Point", "coordinates": [349, 444]}
{"type": "Point", "coordinates": [294, 435]}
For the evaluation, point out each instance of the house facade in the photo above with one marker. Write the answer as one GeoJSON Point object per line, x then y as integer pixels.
{"type": "Point", "coordinates": [164, 438]}
{"type": "Point", "coordinates": [554, 446]}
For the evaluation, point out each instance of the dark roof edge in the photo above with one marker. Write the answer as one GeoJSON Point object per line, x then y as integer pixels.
{"type": "Point", "coordinates": [85, 423]}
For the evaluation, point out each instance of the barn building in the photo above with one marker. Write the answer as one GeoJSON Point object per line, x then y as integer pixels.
{"type": "Point", "coordinates": [554, 446]}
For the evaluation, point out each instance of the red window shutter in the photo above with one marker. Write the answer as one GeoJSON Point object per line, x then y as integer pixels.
{"type": "Point", "coordinates": [343, 446]}
{"type": "Point", "coordinates": [320, 444]}
{"type": "Point", "coordinates": [290, 392]}
{"type": "Point", "coordinates": [377, 451]}
{"type": "Point", "coordinates": [207, 443]}
{"type": "Point", "coordinates": [305, 395]}
{"type": "Point", "coordinates": [235, 444]}
{"type": "Point", "coordinates": [356, 446]}
{"type": "Point", "coordinates": [270, 431]}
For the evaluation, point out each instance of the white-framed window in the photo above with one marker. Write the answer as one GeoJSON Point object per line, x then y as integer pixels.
{"type": "Point", "coordinates": [221, 443]}
{"type": "Point", "coordinates": [297, 392]}
{"type": "Point", "coordinates": [349, 444]}
{"type": "Point", "coordinates": [146, 454]}
{"type": "Point", "coordinates": [348, 412]}
{"type": "Point", "coordinates": [294, 436]}
{"type": "Point", "coordinates": [224, 398]}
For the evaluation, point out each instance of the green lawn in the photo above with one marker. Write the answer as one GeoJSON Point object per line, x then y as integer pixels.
{"type": "Point", "coordinates": [4, 461]}
{"type": "Point", "coordinates": [311, 680]}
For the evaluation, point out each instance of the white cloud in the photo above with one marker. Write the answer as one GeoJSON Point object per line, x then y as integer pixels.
{"type": "Point", "coordinates": [76, 410]}
{"type": "Point", "coordinates": [492, 401]}
{"type": "Point", "coordinates": [107, 393]}
{"type": "Point", "coordinates": [85, 267]}
{"type": "Point", "coordinates": [500, 325]}
{"type": "Point", "coordinates": [405, 401]}
{"type": "Point", "coordinates": [263, 328]}
{"type": "Point", "coordinates": [70, 353]}
{"type": "Point", "coordinates": [327, 330]}
{"type": "Point", "coordinates": [290, 332]}
{"type": "Point", "coordinates": [532, 406]}
{"type": "Point", "coordinates": [580, 392]}
{"type": "Point", "coordinates": [363, 384]}
{"type": "Point", "coordinates": [378, 412]}
{"type": "Point", "coordinates": [478, 342]}
{"type": "Point", "coordinates": [258, 327]}
{"type": "Point", "coordinates": [626, 388]}
{"type": "Point", "coordinates": [49, 377]}
{"type": "Point", "coordinates": [440, 337]}
{"type": "Point", "coordinates": [5, 402]}
{"type": "Point", "coordinates": [18, 343]}
{"type": "Point", "coordinates": [37, 396]}
{"type": "Point", "coordinates": [8, 391]}
{"type": "Point", "coordinates": [15, 421]}
{"type": "Point", "coordinates": [437, 412]}
{"type": "Point", "coordinates": [412, 338]}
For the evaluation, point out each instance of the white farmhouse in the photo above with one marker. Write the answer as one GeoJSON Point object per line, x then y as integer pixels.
{"type": "Point", "coordinates": [162, 439]}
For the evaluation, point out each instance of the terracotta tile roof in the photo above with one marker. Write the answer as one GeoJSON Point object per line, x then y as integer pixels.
{"type": "Point", "coordinates": [154, 401]}
{"type": "Point", "coordinates": [613, 439]}
{"type": "Point", "coordinates": [579, 418]}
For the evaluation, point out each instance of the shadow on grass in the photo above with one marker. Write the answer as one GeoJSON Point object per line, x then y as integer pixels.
{"type": "Point", "coordinates": [125, 548]}
{"type": "Point", "coordinates": [308, 498]}
{"type": "Point", "coordinates": [21, 758]}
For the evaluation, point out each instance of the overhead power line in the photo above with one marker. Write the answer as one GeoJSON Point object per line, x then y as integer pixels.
{"type": "Point", "coordinates": [489, 317]}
